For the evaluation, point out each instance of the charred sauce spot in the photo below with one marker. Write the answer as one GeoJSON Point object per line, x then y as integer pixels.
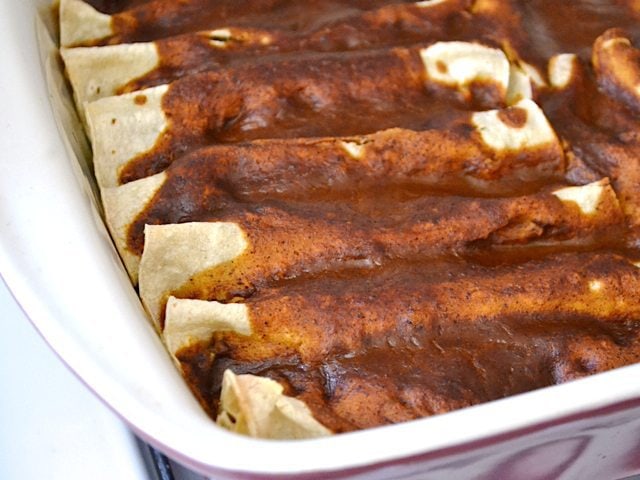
{"type": "Point", "coordinates": [140, 99]}
{"type": "Point", "coordinates": [513, 117]}
{"type": "Point", "coordinates": [442, 67]}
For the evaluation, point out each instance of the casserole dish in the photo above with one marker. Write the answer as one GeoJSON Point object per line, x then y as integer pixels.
{"type": "Point", "coordinates": [59, 262]}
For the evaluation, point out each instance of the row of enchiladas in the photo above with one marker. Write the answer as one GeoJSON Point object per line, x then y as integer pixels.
{"type": "Point", "coordinates": [359, 213]}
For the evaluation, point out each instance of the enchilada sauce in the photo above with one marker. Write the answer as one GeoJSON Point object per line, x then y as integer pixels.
{"type": "Point", "coordinates": [398, 24]}
{"type": "Point", "coordinates": [138, 21]}
{"type": "Point", "coordinates": [318, 95]}
{"type": "Point", "coordinates": [406, 325]}
{"type": "Point", "coordinates": [369, 347]}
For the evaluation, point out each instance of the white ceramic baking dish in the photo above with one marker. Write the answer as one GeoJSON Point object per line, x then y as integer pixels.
{"type": "Point", "coordinates": [58, 261]}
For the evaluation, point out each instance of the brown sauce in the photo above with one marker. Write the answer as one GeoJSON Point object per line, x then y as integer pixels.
{"type": "Point", "coordinates": [572, 27]}
{"type": "Point", "coordinates": [324, 95]}
{"type": "Point", "coordinates": [137, 21]}
{"type": "Point", "coordinates": [393, 25]}
{"type": "Point", "coordinates": [293, 240]}
{"type": "Point", "coordinates": [114, 6]}
{"type": "Point", "coordinates": [405, 288]}
{"type": "Point", "coordinates": [535, 29]}
{"type": "Point", "coordinates": [601, 134]}
{"type": "Point", "coordinates": [422, 338]}
{"type": "Point", "coordinates": [400, 165]}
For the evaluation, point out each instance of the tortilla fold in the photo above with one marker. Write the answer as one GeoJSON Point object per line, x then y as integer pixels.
{"type": "Point", "coordinates": [80, 23]}
{"type": "Point", "coordinates": [256, 407]}
{"type": "Point", "coordinates": [97, 72]}
{"type": "Point", "coordinates": [178, 253]}
{"type": "Point", "coordinates": [122, 128]}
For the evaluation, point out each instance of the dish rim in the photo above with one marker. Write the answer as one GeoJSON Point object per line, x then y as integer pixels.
{"type": "Point", "coordinates": [26, 270]}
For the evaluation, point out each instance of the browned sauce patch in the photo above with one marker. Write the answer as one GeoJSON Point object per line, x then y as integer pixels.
{"type": "Point", "coordinates": [513, 117]}
{"type": "Point", "coordinates": [113, 6]}
{"type": "Point", "coordinates": [441, 66]}
{"type": "Point", "coordinates": [140, 99]}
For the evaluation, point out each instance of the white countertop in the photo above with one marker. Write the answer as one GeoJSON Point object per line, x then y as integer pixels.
{"type": "Point", "coordinates": [51, 426]}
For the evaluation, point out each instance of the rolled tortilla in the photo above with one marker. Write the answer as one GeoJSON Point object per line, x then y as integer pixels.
{"type": "Point", "coordinates": [497, 157]}
{"type": "Point", "coordinates": [97, 72]}
{"type": "Point", "coordinates": [150, 125]}
{"type": "Point", "coordinates": [328, 327]}
{"type": "Point", "coordinates": [497, 151]}
{"type": "Point", "coordinates": [256, 406]}
{"type": "Point", "coordinates": [302, 318]}
{"type": "Point", "coordinates": [187, 260]}
{"type": "Point", "coordinates": [82, 24]}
